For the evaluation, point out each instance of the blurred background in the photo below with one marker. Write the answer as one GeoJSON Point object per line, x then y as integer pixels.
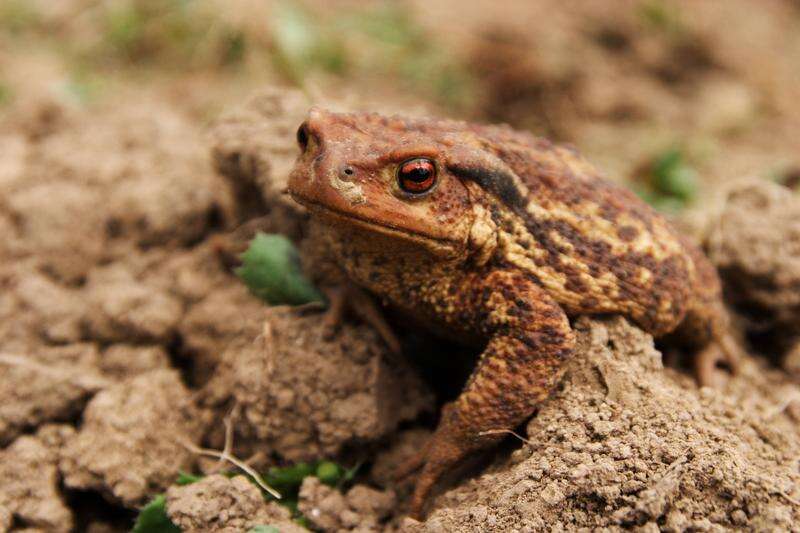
{"type": "Point", "coordinates": [672, 96]}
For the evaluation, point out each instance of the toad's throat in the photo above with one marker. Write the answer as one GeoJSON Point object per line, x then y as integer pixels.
{"type": "Point", "coordinates": [443, 245]}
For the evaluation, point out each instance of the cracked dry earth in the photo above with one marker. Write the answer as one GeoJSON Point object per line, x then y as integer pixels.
{"type": "Point", "coordinates": [126, 341]}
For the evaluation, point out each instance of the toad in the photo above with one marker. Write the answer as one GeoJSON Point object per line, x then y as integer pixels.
{"type": "Point", "coordinates": [497, 239]}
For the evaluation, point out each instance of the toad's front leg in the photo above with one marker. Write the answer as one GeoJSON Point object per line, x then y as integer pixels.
{"type": "Point", "coordinates": [530, 338]}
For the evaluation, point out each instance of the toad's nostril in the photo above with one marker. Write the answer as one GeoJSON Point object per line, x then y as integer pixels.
{"type": "Point", "coordinates": [349, 171]}
{"type": "Point", "coordinates": [302, 136]}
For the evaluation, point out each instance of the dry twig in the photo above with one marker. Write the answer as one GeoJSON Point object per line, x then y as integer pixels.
{"type": "Point", "coordinates": [247, 469]}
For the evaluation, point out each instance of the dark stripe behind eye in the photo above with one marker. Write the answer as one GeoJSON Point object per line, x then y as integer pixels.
{"type": "Point", "coordinates": [497, 182]}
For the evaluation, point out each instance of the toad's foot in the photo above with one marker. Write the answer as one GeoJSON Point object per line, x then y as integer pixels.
{"type": "Point", "coordinates": [446, 448]}
{"type": "Point", "coordinates": [346, 297]}
{"type": "Point", "coordinates": [722, 350]}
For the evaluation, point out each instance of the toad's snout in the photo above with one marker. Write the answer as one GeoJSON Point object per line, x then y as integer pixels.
{"type": "Point", "coordinates": [323, 175]}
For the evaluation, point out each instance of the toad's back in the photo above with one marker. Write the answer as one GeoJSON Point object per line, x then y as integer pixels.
{"type": "Point", "coordinates": [595, 246]}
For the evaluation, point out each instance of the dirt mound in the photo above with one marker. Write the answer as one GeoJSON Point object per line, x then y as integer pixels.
{"type": "Point", "coordinates": [33, 305]}
{"type": "Point", "coordinates": [125, 309]}
{"type": "Point", "coordinates": [255, 144]}
{"type": "Point", "coordinates": [218, 504]}
{"type": "Point", "coordinates": [30, 492]}
{"type": "Point", "coordinates": [303, 396]}
{"type": "Point", "coordinates": [626, 443]}
{"type": "Point", "coordinates": [360, 509]}
{"type": "Point", "coordinates": [91, 187]}
{"type": "Point", "coordinates": [45, 384]}
{"type": "Point", "coordinates": [254, 147]}
{"type": "Point", "coordinates": [755, 244]}
{"type": "Point", "coordinates": [122, 449]}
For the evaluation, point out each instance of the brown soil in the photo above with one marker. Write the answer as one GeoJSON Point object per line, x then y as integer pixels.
{"type": "Point", "coordinates": [30, 474]}
{"type": "Point", "coordinates": [303, 397]}
{"type": "Point", "coordinates": [217, 504]}
{"type": "Point", "coordinates": [360, 509]}
{"type": "Point", "coordinates": [121, 448]}
{"type": "Point", "coordinates": [761, 268]}
{"type": "Point", "coordinates": [627, 443]}
{"type": "Point", "coordinates": [126, 342]}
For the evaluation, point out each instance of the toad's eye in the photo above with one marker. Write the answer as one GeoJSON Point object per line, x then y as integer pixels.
{"type": "Point", "coordinates": [416, 176]}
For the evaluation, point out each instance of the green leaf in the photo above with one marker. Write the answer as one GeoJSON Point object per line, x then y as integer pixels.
{"type": "Point", "coordinates": [153, 518]}
{"type": "Point", "coordinates": [289, 478]}
{"type": "Point", "coordinates": [271, 270]}
{"type": "Point", "coordinates": [185, 478]}
{"type": "Point", "coordinates": [329, 473]}
{"type": "Point", "coordinates": [264, 529]}
{"type": "Point", "coordinates": [671, 176]}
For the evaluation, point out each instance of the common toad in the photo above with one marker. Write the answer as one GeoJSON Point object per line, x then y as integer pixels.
{"type": "Point", "coordinates": [496, 238]}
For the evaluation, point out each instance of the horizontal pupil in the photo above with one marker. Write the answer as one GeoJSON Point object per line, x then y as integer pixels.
{"type": "Point", "coordinates": [417, 174]}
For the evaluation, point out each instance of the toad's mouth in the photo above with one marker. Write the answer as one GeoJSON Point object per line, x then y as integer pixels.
{"type": "Point", "coordinates": [444, 245]}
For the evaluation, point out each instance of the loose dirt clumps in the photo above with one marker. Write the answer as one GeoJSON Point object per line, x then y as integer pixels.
{"type": "Point", "coordinates": [123, 361]}
{"type": "Point", "coordinates": [791, 361]}
{"type": "Point", "coordinates": [94, 185]}
{"type": "Point", "coordinates": [255, 147]}
{"type": "Point", "coordinates": [133, 440]}
{"type": "Point", "coordinates": [44, 384]}
{"type": "Point", "coordinates": [304, 396]}
{"type": "Point", "coordinates": [256, 143]}
{"type": "Point", "coordinates": [361, 509]}
{"type": "Point", "coordinates": [212, 325]}
{"type": "Point", "coordinates": [123, 308]}
{"type": "Point", "coordinates": [30, 482]}
{"type": "Point", "coordinates": [755, 243]}
{"type": "Point", "coordinates": [626, 443]}
{"type": "Point", "coordinates": [404, 446]}
{"type": "Point", "coordinates": [52, 312]}
{"type": "Point", "coordinates": [6, 518]}
{"type": "Point", "coordinates": [217, 504]}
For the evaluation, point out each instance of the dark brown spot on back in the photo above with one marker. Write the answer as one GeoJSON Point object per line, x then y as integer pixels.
{"type": "Point", "coordinates": [627, 233]}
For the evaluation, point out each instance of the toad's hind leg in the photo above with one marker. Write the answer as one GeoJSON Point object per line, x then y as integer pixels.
{"type": "Point", "coordinates": [706, 327]}
{"type": "Point", "coordinates": [523, 361]}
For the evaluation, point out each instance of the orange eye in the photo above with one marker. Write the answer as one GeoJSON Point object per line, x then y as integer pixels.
{"type": "Point", "coordinates": [417, 176]}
